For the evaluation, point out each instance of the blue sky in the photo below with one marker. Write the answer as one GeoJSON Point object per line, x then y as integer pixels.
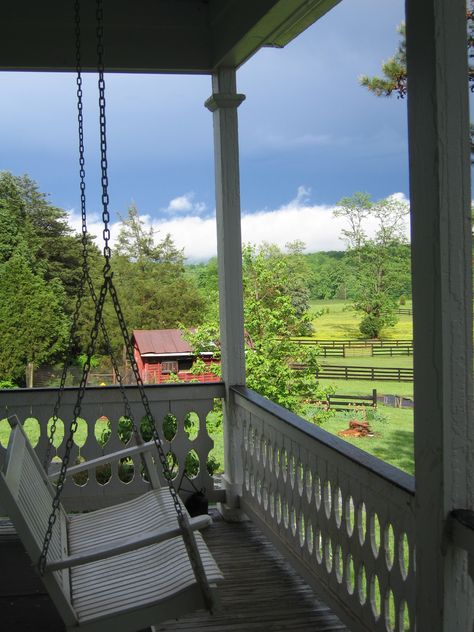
{"type": "Point", "coordinates": [309, 135]}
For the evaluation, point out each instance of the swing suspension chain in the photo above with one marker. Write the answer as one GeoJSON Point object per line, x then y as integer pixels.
{"type": "Point", "coordinates": [108, 286]}
{"type": "Point", "coordinates": [188, 536]}
{"type": "Point", "coordinates": [85, 267]}
{"type": "Point", "coordinates": [73, 428]}
{"type": "Point", "coordinates": [103, 136]}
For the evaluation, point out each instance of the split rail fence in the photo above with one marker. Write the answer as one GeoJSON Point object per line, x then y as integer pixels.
{"type": "Point", "coordinates": [379, 374]}
{"type": "Point", "coordinates": [344, 348]}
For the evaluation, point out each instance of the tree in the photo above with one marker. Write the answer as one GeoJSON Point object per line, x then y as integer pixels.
{"type": "Point", "coordinates": [394, 70]}
{"type": "Point", "coordinates": [27, 217]}
{"type": "Point", "coordinates": [327, 275]}
{"type": "Point", "coordinates": [34, 324]}
{"type": "Point", "coordinates": [271, 320]}
{"type": "Point", "coordinates": [149, 277]}
{"type": "Point", "coordinates": [377, 267]}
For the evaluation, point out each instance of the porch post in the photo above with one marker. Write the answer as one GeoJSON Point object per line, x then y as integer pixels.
{"type": "Point", "coordinates": [438, 121]}
{"type": "Point", "coordinates": [223, 104]}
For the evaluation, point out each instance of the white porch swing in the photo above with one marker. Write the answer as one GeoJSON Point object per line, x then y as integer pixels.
{"type": "Point", "coordinates": [131, 565]}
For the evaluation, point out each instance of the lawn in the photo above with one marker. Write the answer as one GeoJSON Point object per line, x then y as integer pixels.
{"type": "Point", "coordinates": [393, 441]}
{"type": "Point", "coordinates": [364, 387]}
{"type": "Point", "coordinates": [339, 321]}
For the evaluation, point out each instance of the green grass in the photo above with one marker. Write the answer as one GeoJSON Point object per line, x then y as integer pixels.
{"type": "Point", "coordinates": [364, 387]}
{"type": "Point", "coordinates": [404, 362]}
{"type": "Point", "coordinates": [393, 441]}
{"type": "Point", "coordinates": [340, 321]}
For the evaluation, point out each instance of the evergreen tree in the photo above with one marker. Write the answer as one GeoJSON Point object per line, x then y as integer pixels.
{"type": "Point", "coordinates": [394, 71]}
{"type": "Point", "coordinates": [27, 217]}
{"type": "Point", "coordinates": [154, 291]}
{"type": "Point", "coordinates": [34, 325]}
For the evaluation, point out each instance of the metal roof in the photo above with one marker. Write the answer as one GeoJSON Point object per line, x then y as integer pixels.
{"type": "Point", "coordinates": [161, 342]}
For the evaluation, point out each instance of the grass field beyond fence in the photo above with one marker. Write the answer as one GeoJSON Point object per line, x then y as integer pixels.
{"type": "Point", "coordinates": [339, 321]}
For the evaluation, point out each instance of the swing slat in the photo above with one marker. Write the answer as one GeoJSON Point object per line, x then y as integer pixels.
{"type": "Point", "coordinates": [123, 576]}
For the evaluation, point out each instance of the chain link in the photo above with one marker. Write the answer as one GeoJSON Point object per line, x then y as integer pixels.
{"type": "Point", "coordinates": [84, 237]}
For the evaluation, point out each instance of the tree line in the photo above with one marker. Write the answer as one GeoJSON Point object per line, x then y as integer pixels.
{"type": "Point", "coordinates": [41, 261]}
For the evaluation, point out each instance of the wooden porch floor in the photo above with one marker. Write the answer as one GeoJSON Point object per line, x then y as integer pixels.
{"type": "Point", "coordinates": [261, 593]}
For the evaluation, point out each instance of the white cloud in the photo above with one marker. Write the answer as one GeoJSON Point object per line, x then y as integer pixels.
{"type": "Point", "coordinates": [184, 203]}
{"type": "Point", "coordinates": [314, 224]}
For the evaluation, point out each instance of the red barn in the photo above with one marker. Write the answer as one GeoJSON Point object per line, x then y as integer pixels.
{"type": "Point", "coordinates": [162, 353]}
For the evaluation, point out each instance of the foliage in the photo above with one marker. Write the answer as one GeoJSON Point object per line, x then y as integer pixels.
{"type": "Point", "coordinates": [34, 325]}
{"type": "Point", "coordinates": [377, 267]}
{"type": "Point", "coordinates": [7, 384]}
{"type": "Point", "coordinates": [150, 280]}
{"type": "Point", "coordinates": [275, 310]}
{"type": "Point", "coordinates": [327, 275]}
{"type": "Point", "coordinates": [26, 217]}
{"type": "Point", "coordinates": [364, 413]}
{"type": "Point", "coordinates": [394, 70]}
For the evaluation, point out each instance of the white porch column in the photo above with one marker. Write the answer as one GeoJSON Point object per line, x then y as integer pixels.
{"type": "Point", "coordinates": [223, 104]}
{"type": "Point", "coordinates": [441, 240]}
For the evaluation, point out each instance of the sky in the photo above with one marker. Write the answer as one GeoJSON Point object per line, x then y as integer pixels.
{"type": "Point", "coordinates": [309, 135]}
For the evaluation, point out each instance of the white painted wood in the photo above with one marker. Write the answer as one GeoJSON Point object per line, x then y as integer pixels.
{"type": "Point", "coordinates": [442, 298]}
{"type": "Point", "coordinates": [332, 510]}
{"type": "Point", "coordinates": [223, 104]}
{"type": "Point", "coordinates": [129, 564]}
{"type": "Point", "coordinates": [126, 452]}
{"type": "Point", "coordinates": [177, 399]}
{"type": "Point", "coordinates": [126, 545]}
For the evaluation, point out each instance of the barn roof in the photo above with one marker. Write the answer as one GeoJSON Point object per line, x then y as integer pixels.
{"type": "Point", "coordinates": [161, 342]}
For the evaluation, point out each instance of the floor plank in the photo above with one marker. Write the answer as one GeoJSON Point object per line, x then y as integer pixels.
{"type": "Point", "coordinates": [260, 592]}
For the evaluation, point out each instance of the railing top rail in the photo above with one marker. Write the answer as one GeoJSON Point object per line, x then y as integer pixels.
{"type": "Point", "coordinates": [384, 470]}
{"type": "Point", "coordinates": [157, 392]}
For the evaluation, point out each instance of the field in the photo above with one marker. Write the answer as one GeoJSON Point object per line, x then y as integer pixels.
{"type": "Point", "coordinates": [338, 320]}
{"type": "Point", "coordinates": [393, 441]}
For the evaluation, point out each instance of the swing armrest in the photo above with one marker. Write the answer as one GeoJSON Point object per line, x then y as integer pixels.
{"type": "Point", "coordinates": [125, 545]}
{"type": "Point", "coordinates": [107, 458]}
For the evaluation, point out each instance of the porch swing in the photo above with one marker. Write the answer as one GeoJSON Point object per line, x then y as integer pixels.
{"type": "Point", "coordinates": [127, 566]}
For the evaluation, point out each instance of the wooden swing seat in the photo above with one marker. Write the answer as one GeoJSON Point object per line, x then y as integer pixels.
{"type": "Point", "coordinates": [120, 568]}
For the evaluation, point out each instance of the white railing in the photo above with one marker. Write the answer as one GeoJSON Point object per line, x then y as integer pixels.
{"type": "Point", "coordinates": [344, 519]}
{"type": "Point", "coordinates": [102, 412]}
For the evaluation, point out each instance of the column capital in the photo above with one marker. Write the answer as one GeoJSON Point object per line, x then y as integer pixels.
{"type": "Point", "coordinates": [221, 100]}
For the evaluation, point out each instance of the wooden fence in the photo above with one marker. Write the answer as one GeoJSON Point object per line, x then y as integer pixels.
{"type": "Point", "coordinates": [343, 348]}
{"type": "Point", "coordinates": [347, 402]}
{"type": "Point", "coordinates": [374, 373]}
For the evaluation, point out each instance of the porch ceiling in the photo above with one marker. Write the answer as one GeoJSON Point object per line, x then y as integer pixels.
{"type": "Point", "coordinates": [175, 36]}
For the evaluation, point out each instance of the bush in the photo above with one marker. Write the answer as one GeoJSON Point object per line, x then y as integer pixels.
{"type": "Point", "coordinates": [371, 326]}
{"type": "Point", "coordinates": [403, 300]}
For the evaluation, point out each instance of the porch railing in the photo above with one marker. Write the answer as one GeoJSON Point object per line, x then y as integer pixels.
{"type": "Point", "coordinates": [102, 411]}
{"type": "Point", "coordinates": [344, 519]}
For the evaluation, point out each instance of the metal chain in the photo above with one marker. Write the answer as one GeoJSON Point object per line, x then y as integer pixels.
{"type": "Point", "coordinates": [103, 135]}
{"type": "Point", "coordinates": [188, 536]}
{"type": "Point", "coordinates": [73, 426]}
{"type": "Point", "coordinates": [84, 242]}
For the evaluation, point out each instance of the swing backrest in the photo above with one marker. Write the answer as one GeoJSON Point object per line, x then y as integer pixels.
{"type": "Point", "coordinates": [27, 495]}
